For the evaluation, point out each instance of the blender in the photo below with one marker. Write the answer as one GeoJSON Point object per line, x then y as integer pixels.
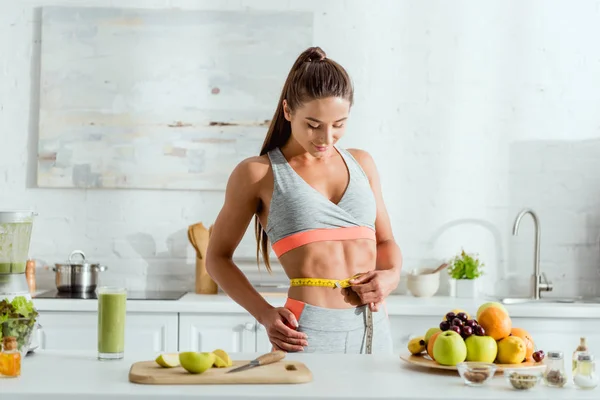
{"type": "Point", "coordinates": [15, 236]}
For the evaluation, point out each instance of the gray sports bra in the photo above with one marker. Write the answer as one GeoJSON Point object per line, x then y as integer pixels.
{"type": "Point", "coordinates": [299, 214]}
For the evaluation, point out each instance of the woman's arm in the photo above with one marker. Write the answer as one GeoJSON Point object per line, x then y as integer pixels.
{"type": "Point", "coordinates": [375, 286]}
{"type": "Point", "coordinates": [241, 202]}
{"type": "Point", "coordinates": [242, 197]}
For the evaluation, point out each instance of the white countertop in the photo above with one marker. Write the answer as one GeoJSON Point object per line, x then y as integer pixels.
{"type": "Point", "coordinates": [396, 305]}
{"type": "Point", "coordinates": [64, 376]}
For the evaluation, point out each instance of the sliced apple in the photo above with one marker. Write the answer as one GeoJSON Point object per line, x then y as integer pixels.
{"type": "Point", "coordinates": [168, 360]}
{"type": "Point", "coordinates": [222, 359]}
{"type": "Point", "coordinates": [196, 362]}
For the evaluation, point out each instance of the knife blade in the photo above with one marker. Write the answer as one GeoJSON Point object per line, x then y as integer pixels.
{"type": "Point", "coordinates": [265, 359]}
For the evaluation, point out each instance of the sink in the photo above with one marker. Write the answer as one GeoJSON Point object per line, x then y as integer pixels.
{"type": "Point", "coordinates": [551, 300]}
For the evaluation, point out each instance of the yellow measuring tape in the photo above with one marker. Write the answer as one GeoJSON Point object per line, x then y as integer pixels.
{"type": "Point", "coordinates": [333, 283]}
{"type": "Point", "coordinates": [344, 283]}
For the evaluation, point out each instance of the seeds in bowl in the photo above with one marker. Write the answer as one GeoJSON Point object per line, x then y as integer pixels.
{"type": "Point", "coordinates": [522, 381]}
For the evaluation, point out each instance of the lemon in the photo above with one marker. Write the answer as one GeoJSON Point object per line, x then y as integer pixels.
{"type": "Point", "coordinates": [168, 360]}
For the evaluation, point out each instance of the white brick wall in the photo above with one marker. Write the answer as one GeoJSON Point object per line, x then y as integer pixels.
{"type": "Point", "coordinates": [471, 110]}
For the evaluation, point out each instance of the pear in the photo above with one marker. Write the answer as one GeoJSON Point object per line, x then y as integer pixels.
{"type": "Point", "coordinates": [195, 362]}
{"type": "Point", "coordinates": [168, 360]}
{"type": "Point", "coordinates": [222, 359]}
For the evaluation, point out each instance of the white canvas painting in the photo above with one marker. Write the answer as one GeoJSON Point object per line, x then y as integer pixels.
{"type": "Point", "coordinates": [159, 99]}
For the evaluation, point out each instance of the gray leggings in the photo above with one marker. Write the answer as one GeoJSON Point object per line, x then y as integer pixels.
{"type": "Point", "coordinates": [331, 330]}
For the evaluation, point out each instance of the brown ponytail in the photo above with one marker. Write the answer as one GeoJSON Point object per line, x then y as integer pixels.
{"type": "Point", "coordinates": [313, 76]}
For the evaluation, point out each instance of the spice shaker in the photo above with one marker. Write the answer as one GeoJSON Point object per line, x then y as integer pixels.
{"type": "Point", "coordinates": [555, 375]}
{"type": "Point", "coordinates": [582, 348]}
{"type": "Point", "coordinates": [584, 375]}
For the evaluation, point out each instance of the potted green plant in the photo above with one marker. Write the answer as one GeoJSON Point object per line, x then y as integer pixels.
{"type": "Point", "coordinates": [464, 269]}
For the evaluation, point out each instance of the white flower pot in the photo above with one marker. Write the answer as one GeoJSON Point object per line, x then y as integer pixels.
{"type": "Point", "coordinates": [466, 288]}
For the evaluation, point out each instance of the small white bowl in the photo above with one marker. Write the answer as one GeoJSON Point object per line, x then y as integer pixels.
{"type": "Point", "coordinates": [422, 283]}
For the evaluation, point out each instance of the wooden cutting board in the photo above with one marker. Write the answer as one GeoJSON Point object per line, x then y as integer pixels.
{"type": "Point", "coordinates": [281, 372]}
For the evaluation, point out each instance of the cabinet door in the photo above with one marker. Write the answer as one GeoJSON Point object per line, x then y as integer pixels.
{"type": "Point", "coordinates": [406, 327]}
{"type": "Point", "coordinates": [263, 344]}
{"type": "Point", "coordinates": [561, 334]}
{"type": "Point", "coordinates": [234, 333]}
{"type": "Point", "coordinates": [78, 331]}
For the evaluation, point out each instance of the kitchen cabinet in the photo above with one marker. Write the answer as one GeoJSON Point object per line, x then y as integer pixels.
{"type": "Point", "coordinates": [234, 333]}
{"type": "Point", "coordinates": [405, 328]}
{"type": "Point", "coordinates": [263, 344]}
{"type": "Point", "coordinates": [561, 334]}
{"type": "Point", "coordinates": [73, 331]}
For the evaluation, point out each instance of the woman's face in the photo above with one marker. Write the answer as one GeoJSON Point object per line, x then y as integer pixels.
{"type": "Point", "coordinates": [318, 124]}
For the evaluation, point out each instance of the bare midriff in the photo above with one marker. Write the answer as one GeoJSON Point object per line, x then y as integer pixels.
{"type": "Point", "coordinates": [327, 260]}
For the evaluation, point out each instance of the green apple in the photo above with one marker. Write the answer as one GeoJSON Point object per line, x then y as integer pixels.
{"type": "Point", "coordinates": [481, 348]}
{"type": "Point", "coordinates": [196, 363]}
{"type": "Point", "coordinates": [449, 348]}
{"type": "Point", "coordinates": [490, 304]}
{"type": "Point", "coordinates": [430, 333]}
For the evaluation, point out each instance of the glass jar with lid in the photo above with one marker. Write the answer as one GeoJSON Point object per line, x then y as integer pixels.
{"type": "Point", "coordinates": [555, 374]}
{"type": "Point", "coordinates": [584, 375]}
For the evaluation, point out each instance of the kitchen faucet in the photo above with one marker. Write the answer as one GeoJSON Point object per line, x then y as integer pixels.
{"type": "Point", "coordinates": [540, 282]}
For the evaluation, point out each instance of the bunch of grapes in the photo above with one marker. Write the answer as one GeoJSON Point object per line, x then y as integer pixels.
{"type": "Point", "coordinates": [461, 324]}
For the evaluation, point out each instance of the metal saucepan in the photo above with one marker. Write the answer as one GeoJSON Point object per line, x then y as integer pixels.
{"type": "Point", "coordinates": [77, 276]}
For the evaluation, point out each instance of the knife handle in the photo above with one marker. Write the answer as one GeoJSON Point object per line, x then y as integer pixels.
{"type": "Point", "coordinates": [271, 357]}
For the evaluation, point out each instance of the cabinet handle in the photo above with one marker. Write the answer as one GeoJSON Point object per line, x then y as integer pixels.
{"type": "Point", "coordinates": [249, 326]}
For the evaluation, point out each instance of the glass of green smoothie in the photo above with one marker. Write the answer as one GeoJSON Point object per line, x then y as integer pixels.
{"type": "Point", "coordinates": [112, 303]}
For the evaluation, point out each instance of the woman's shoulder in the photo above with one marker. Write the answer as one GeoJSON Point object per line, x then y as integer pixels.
{"type": "Point", "coordinates": [252, 169]}
{"type": "Point", "coordinates": [363, 158]}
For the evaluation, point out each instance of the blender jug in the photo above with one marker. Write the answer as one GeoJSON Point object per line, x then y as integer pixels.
{"type": "Point", "coordinates": [15, 236]}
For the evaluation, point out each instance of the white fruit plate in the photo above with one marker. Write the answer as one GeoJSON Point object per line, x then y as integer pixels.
{"type": "Point", "coordinates": [426, 362]}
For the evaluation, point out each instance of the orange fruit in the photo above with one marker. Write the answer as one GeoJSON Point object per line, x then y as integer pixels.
{"type": "Point", "coordinates": [529, 344]}
{"type": "Point", "coordinates": [430, 344]}
{"type": "Point", "coordinates": [496, 322]}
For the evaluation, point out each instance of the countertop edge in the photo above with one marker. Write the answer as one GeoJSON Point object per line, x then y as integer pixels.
{"type": "Point", "coordinates": [395, 305]}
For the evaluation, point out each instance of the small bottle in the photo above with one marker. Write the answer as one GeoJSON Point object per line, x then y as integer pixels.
{"type": "Point", "coordinates": [582, 348]}
{"type": "Point", "coordinates": [30, 275]}
{"type": "Point", "coordinates": [584, 375]}
{"type": "Point", "coordinates": [554, 375]}
{"type": "Point", "coordinates": [10, 358]}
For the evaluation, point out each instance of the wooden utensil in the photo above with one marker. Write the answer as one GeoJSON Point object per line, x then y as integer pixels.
{"type": "Point", "coordinates": [199, 236]}
{"type": "Point", "coordinates": [265, 359]}
{"type": "Point", "coordinates": [438, 269]}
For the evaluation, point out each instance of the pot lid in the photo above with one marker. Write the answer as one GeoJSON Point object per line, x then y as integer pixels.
{"type": "Point", "coordinates": [71, 263]}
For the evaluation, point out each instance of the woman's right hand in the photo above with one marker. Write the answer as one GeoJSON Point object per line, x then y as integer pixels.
{"type": "Point", "coordinates": [277, 322]}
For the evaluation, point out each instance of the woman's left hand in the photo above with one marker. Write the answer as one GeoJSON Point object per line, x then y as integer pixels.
{"type": "Point", "coordinates": [372, 288]}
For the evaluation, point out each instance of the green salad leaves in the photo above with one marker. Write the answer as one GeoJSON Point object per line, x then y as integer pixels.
{"type": "Point", "coordinates": [17, 318]}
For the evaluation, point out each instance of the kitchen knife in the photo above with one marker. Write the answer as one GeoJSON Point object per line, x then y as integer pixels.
{"type": "Point", "coordinates": [265, 359]}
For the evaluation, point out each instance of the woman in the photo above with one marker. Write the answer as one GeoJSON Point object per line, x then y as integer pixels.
{"type": "Point", "coordinates": [320, 209]}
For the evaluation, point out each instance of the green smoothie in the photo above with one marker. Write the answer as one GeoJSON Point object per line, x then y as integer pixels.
{"type": "Point", "coordinates": [111, 322]}
{"type": "Point", "coordinates": [14, 246]}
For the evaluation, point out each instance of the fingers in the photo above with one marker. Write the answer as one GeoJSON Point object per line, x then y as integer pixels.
{"type": "Point", "coordinates": [289, 316]}
{"type": "Point", "coordinates": [286, 331]}
{"type": "Point", "coordinates": [372, 285]}
{"type": "Point", "coordinates": [370, 296]}
{"type": "Point", "coordinates": [281, 345]}
{"type": "Point", "coordinates": [289, 340]}
{"type": "Point", "coordinates": [374, 306]}
{"type": "Point", "coordinates": [351, 297]}
{"type": "Point", "coordinates": [363, 278]}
